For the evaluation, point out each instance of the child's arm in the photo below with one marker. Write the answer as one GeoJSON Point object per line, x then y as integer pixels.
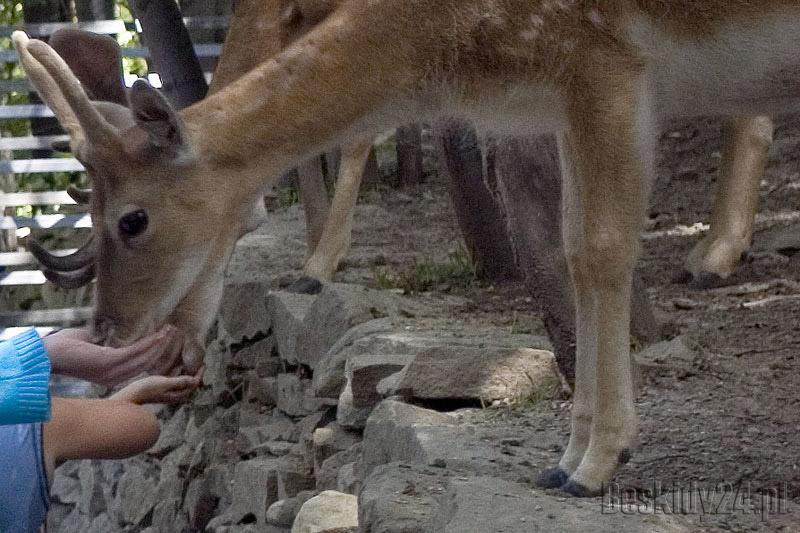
{"type": "Point", "coordinates": [73, 354]}
{"type": "Point", "coordinates": [114, 428]}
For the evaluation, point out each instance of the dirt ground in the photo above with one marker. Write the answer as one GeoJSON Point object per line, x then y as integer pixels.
{"type": "Point", "coordinates": [733, 417]}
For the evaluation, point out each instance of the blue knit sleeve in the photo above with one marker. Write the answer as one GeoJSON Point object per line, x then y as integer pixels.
{"type": "Point", "coordinates": [24, 379]}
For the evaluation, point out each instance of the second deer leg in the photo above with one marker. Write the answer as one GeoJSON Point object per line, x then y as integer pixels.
{"type": "Point", "coordinates": [744, 156]}
{"type": "Point", "coordinates": [334, 243]}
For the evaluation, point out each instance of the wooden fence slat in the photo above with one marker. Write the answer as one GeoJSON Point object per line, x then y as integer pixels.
{"type": "Point", "coordinates": [24, 111]}
{"type": "Point", "coordinates": [14, 86]}
{"type": "Point", "coordinates": [7, 333]}
{"type": "Point", "coordinates": [109, 27]}
{"type": "Point", "coordinates": [43, 29]}
{"type": "Point", "coordinates": [202, 50]}
{"type": "Point", "coordinates": [31, 142]}
{"type": "Point", "coordinates": [26, 258]}
{"type": "Point", "coordinates": [22, 277]}
{"type": "Point", "coordinates": [14, 199]}
{"type": "Point", "coordinates": [47, 222]}
{"type": "Point", "coordinates": [19, 166]}
{"type": "Point", "coordinates": [46, 316]}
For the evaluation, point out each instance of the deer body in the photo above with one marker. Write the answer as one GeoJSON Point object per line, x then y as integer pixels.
{"type": "Point", "coordinates": [599, 73]}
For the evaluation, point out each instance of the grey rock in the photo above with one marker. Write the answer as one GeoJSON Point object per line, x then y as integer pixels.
{"type": "Point", "coordinates": [282, 513]}
{"type": "Point", "coordinates": [330, 440]}
{"type": "Point", "coordinates": [479, 373]}
{"type": "Point", "coordinates": [74, 521]}
{"type": "Point", "coordinates": [295, 396]}
{"type": "Point", "coordinates": [93, 497]}
{"type": "Point", "coordinates": [293, 480]}
{"type": "Point", "coordinates": [289, 311]}
{"type": "Point", "coordinates": [364, 372]}
{"type": "Point", "coordinates": [165, 515]}
{"type": "Point", "coordinates": [396, 431]}
{"type": "Point", "coordinates": [255, 488]}
{"type": "Point", "coordinates": [390, 385]}
{"type": "Point", "coordinates": [338, 308]}
{"type": "Point", "coordinates": [674, 353]}
{"type": "Point", "coordinates": [329, 377]}
{"type": "Point", "coordinates": [65, 488]}
{"type": "Point", "coordinates": [102, 523]}
{"type": "Point", "coordinates": [243, 312]}
{"type": "Point", "coordinates": [328, 512]}
{"type": "Point", "coordinates": [135, 495]}
{"type": "Point", "coordinates": [347, 414]}
{"type": "Point", "coordinates": [172, 433]}
{"type": "Point", "coordinates": [249, 357]}
{"type": "Point", "coordinates": [403, 498]}
{"type": "Point", "coordinates": [259, 390]}
{"type": "Point", "coordinates": [347, 481]}
{"type": "Point", "coordinates": [327, 474]}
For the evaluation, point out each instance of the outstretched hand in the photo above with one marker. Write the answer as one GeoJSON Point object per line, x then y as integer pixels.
{"type": "Point", "coordinates": [160, 389]}
{"type": "Point", "coordinates": [72, 353]}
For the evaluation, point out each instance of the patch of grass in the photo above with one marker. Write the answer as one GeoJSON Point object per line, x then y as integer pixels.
{"type": "Point", "coordinates": [458, 270]}
{"type": "Point", "coordinates": [288, 196]}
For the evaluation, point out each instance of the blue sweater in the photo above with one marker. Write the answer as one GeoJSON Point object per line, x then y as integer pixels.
{"type": "Point", "coordinates": [24, 379]}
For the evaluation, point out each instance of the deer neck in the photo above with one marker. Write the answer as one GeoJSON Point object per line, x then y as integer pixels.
{"type": "Point", "coordinates": [323, 91]}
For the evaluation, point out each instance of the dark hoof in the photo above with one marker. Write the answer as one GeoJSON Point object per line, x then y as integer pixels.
{"type": "Point", "coordinates": [707, 280]}
{"type": "Point", "coordinates": [624, 457]}
{"type": "Point", "coordinates": [576, 489]}
{"type": "Point", "coordinates": [552, 478]}
{"type": "Point", "coordinates": [306, 285]}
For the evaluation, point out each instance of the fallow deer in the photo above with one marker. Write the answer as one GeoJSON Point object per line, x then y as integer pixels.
{"type": "Point", "coordinates": [169, 189]}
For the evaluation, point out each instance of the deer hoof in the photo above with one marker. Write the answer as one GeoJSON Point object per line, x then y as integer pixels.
{"type": "Point", "coordinates": [624, 457]}
{"type": "Point", "coordinates": [707, 280]}
{"type": "Point", "coordinates": [576, 489]}
{"type": "Point", "coordinates": [552, 478]}
{"type": "Point", "coordinates": [306, 285]}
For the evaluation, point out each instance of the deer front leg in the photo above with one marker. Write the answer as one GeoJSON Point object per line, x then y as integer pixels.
{"type": "Point", "coordinates": [608, 153]}
{"type": "Point", "coordinates": [744, 156]}
{"type": "Point", "coordinates": [314, 196]}
{"type": "Point", "coordinates": [334, 242]}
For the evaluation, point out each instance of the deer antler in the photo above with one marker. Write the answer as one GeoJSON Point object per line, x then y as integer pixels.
{"type": "Point", "coordinates": [82, 257]}
{"type": "Point", "coordinates": [72, 279]}
{"type": "Point", "coordinates": [81, 196]}
{"type": "Point", "coordinates": [47, 89]}
{"type": "Point", "coordinates": [62, 91]}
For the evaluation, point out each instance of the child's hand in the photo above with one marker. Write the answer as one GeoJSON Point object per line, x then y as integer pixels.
{"type": "Point", "coordinates": [160, 389]}
{"type": "Point", "coordinates": [72, 353]}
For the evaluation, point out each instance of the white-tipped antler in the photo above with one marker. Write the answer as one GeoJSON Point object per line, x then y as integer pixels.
{"type": "Point", "coordinates": [58, 86]}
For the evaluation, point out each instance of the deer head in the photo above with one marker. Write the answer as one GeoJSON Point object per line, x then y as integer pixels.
{"type": "Point", "coordinates": [164, 226]}
{"type": "Point", "coordinates": [150, 206]}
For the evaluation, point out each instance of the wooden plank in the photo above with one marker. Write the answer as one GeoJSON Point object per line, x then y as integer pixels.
{"type": "Point", "coordinates": [42, 317]}
{"type": "Point", "coordinates": [24, 111]}
{"type": "Point", "coordinates": [31, 142]}
{"type": "Point", "coordinates": [81, 221]}
{"type": "Point", "coordinates": [57, 164]}
{"type": "Point", "coordinates": [26, 258]}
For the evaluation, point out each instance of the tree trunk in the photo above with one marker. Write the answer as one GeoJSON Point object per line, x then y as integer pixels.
{"type": "Point", "coordinates": [526, 176]}
{"type": "Point", "coordinates": [409, 156]}
{"type": "Point", "coordinates": [171, 51]}
{"type": "Point", "coordinates": [479, 215]}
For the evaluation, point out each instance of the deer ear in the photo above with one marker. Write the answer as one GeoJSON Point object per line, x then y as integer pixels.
{"type": "Point", "coordinates": [96, 60]}
{"type": "Point", "coordinates": [154, 114]}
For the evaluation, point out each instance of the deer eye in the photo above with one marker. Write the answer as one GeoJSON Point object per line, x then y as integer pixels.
{"type": "Point", "coordinates": [133, 223]}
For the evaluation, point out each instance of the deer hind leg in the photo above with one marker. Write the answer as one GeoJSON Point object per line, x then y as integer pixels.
{"type": "Point", "coordinates": [744, 156]}
{"type": "Point", "coordinates": [334, 242]}
{"type": "Point", "coordinates": [611, 145]}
